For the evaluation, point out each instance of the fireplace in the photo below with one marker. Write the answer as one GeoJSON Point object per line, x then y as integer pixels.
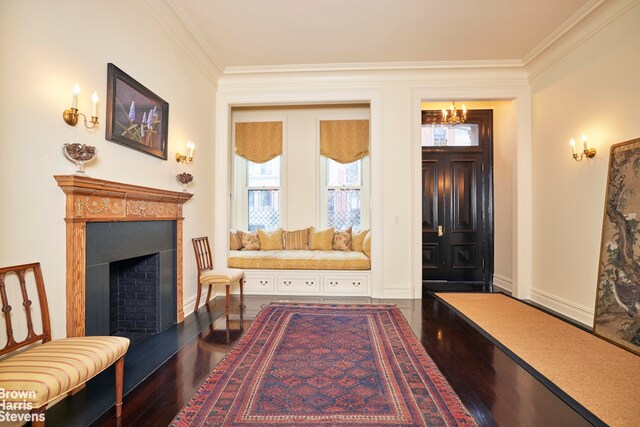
{"type": "Point", "coordinates": [108, 222]}
{"type": "Point", "coordinates": [130, 277]}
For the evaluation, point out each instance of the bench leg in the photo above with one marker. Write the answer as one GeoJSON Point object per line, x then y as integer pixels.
{"type": "Point", "coordinates": [228, 300]}
{"type": "Point", "coordinates": [38, 416]}
{"type": "Point", "coordinates": [119, 382]}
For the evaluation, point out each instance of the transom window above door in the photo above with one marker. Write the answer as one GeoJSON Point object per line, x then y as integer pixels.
{"type": "Point", "coordinates": [465, 135]}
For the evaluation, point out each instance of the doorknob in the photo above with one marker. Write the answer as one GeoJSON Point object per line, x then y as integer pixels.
{"type": "Point", "coordinates": [440, 231]}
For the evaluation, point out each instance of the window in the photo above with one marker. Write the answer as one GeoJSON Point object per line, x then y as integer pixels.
{"type": "Point", "coordinates": [465, 135]}
{"type": "Point", "coordinates": [263, 194]}
{"type": "Point", "coordinates": [344, 194]}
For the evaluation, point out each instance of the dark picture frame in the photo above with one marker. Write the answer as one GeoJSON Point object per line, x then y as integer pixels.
{"type": "Point", "coordinates": [617, 318]}
{"type": "Point", "coordinates": [136, 117]}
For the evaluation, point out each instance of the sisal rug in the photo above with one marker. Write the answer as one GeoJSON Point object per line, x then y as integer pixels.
{"type": "Point", "coordinates": [326, 365]}
{"type": "Point", "coordinates": [586, 371]}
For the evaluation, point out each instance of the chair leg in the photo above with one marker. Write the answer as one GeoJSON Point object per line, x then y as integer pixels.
{"type": "Point", "coordinates": [198, 297]}
{"type": "Point", "coordinates": [37, 416]}
{"type": "Point", "coordinates": [241, 303]}
{"type": "Point", "coordinates": [228, 299]}
{"type": "Point", "coordinates": [209, 293]}
{"type": "Point", "coordinates": [119, 382]}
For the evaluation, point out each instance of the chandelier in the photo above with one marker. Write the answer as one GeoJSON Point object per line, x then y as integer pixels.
{"type": "Point", "coordinates": [454, 117]}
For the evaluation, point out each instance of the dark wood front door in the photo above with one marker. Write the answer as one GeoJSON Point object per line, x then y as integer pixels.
{"type": "Point", "coordinates": [457, 217]}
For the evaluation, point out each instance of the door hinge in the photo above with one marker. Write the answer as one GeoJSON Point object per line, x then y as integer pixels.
{"type": "Point", "coordinates": [481, 167]}
{"type": "Point", "coordinates": [482, 263]}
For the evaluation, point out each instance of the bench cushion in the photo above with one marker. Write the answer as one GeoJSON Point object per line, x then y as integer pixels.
{"type": "Point", "coordinates": [57, 367]}
{"type": "Point", "coordinates": [299, 260]}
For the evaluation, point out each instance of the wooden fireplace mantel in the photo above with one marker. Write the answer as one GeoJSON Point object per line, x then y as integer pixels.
{"type": "Point", "coordinates": [96, 200]}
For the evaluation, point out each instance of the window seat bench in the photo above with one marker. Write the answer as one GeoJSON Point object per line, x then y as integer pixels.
{"type": "Point", "coordinates": [303, 272]}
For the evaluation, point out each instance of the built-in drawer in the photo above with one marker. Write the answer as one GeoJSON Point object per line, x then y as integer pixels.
{"type": "Point", "coordinates": [259, 284]}
{"type": "Point", "coordinates": [345, 285]}
{"type": "Point", "coordinates": [298, 284]}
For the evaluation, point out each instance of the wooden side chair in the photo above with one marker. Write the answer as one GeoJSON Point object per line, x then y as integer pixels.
{"type": "Point", "coordinates": [42, 373]}
{"type": "Point", "coordinates": [208, 276]}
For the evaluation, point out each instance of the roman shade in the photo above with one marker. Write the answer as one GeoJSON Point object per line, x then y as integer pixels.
{"type": "Point", "coordinates": [344, 141]}
{"type": "Point", "coordinates": [259, 142]}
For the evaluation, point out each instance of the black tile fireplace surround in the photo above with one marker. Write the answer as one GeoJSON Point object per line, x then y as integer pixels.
{"type": "Point", "coordinates": [108, 244]}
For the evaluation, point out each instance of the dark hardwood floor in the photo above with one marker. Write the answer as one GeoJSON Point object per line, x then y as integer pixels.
{"type": "Point", "coordinates": [495, 390]}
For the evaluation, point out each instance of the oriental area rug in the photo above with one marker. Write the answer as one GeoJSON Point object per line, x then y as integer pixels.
{"type": "Point", "coordinates": [326, 365]}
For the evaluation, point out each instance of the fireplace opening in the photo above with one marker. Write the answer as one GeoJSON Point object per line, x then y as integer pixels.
{"type": "Point", "coordinates": [133, 296]}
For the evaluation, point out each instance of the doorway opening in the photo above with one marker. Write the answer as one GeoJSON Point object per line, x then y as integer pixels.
{"type": "Point", "coordinates": [457, 203]}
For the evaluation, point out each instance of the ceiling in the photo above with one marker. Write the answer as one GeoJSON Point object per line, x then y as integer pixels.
{"type": "Point", "coordinates": [239, 33]}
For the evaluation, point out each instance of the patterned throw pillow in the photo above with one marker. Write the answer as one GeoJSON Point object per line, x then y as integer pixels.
{"type": "Point", "coordinates": [357, 239]}
{"type": "Point", "coordinates": [271, 240]}
{"type": "Point", "coordinates": [366, 245]}
{"type": "Point", "coordinates": [235, 242]}
{"type": "Point", "coordinates": [296, 240]}
{"type": "Point", "coordinates": [342, 240]}
{"type": "Point", "coordinates": [320, 240]}
{"type": "Point", "coordinates": [250, 241]}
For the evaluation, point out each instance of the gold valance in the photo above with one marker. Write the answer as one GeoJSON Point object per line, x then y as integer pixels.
{"type": "Point", "coordinates": [259, 142]}
{"type": "Point", "coordinates": [344, 141]}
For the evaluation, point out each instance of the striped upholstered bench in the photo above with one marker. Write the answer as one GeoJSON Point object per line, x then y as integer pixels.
{"type": "Point", "coordinates": [32, 378]}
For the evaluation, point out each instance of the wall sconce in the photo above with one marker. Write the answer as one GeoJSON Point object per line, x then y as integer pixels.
{"type": "Point", "coordinates": [180, 158]}
{"type": "Point", "coordinates": [589, 152]}
{"type": "Point", "coordinates": [70, 115]}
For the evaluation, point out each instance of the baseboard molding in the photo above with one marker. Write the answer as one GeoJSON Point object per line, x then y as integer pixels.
{"type": "Point", "coordinates": [504, 283]}
{"type": "Point", "coordinates": [577, 312]}
{"type": "Point", "coordinates": [395, 293]}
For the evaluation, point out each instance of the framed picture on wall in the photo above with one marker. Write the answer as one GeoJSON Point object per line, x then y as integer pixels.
{"type": "Point", "coordinates": [136, 117]}
{"type": "Point", "coordinates": [617, 313]}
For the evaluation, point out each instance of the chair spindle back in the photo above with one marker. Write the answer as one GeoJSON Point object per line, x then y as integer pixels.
{"type": "Point", "coordinates": [20, 271]}
{"type": "Point", "coordinates": [203, 253]}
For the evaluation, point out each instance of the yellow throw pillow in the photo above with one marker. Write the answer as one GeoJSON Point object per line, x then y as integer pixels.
{"type": "Point", "coordinates": [250, 241]}
{"type": "Point", "coordinates": [366, 244]}
{"type": "Point", "coordinates": [271, 240]}
{"type": "Point", "coordinates": [235, 242]}
{"type": "Point", "coordinates": [341, 240]}
{"type": "Point", "coordinates": [357, 239]}
{"type": "Point", "coordinates": [320, 240]}
{"type": "Point", "coordinates": [296, 240]}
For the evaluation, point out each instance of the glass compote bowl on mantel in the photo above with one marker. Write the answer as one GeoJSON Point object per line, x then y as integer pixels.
{"type": "Point", "coordinates": [79, 154]}
{"type": "Point", "coordinates": [184, 179]}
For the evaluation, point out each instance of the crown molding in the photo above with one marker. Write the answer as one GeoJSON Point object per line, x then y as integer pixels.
{"type": "Point", "coordinates": [562, 29]}
{"type": "Point", "coordinates": [173, 21]}
{"type": "Point", "coordinates": [373, 66]}
{"type": "Point", "coordinates": [587, 22]}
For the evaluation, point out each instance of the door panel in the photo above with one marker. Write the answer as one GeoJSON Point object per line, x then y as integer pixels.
{"type": "Point", "coordinates": [463, 194]}
{"type": "Point", "coordinates": [429, 195]}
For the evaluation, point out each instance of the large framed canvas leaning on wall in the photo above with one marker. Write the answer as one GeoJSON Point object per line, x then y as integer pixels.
{"type": "Point", "coordinates": [617, 313]}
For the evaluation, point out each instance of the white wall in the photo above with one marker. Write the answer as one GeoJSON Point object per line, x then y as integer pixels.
{"type": "Point", "coordinates": [593, 89]}
{"type": "Point", "coordinates": [45, 47]}
{"type": "Point", "coordinates": [395, 123]}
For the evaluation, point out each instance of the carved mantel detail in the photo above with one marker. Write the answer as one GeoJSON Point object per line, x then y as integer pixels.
{"type": "Point", "coordinates": [95, 200]}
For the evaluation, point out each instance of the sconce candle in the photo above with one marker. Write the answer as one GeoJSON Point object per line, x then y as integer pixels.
{"type": "Point", "coordinates": [573, 147]}
{"type": "Point", "coordinates": [584, 141]}
{"type": "Point", "coordinates": [191, 146]}
{"type": "Point", "coordinates": [94, 99]}
{"type": "Point", "coordinates": [76, 92]}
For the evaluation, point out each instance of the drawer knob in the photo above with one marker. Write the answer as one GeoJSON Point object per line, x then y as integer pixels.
{"type": "Point", "coordinates": [356, 284]}
{"type": "Point", "coordinates": [333, 283]}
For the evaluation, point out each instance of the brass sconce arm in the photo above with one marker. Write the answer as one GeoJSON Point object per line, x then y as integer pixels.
{"type": "Point", "coordinates": [70, 116]}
